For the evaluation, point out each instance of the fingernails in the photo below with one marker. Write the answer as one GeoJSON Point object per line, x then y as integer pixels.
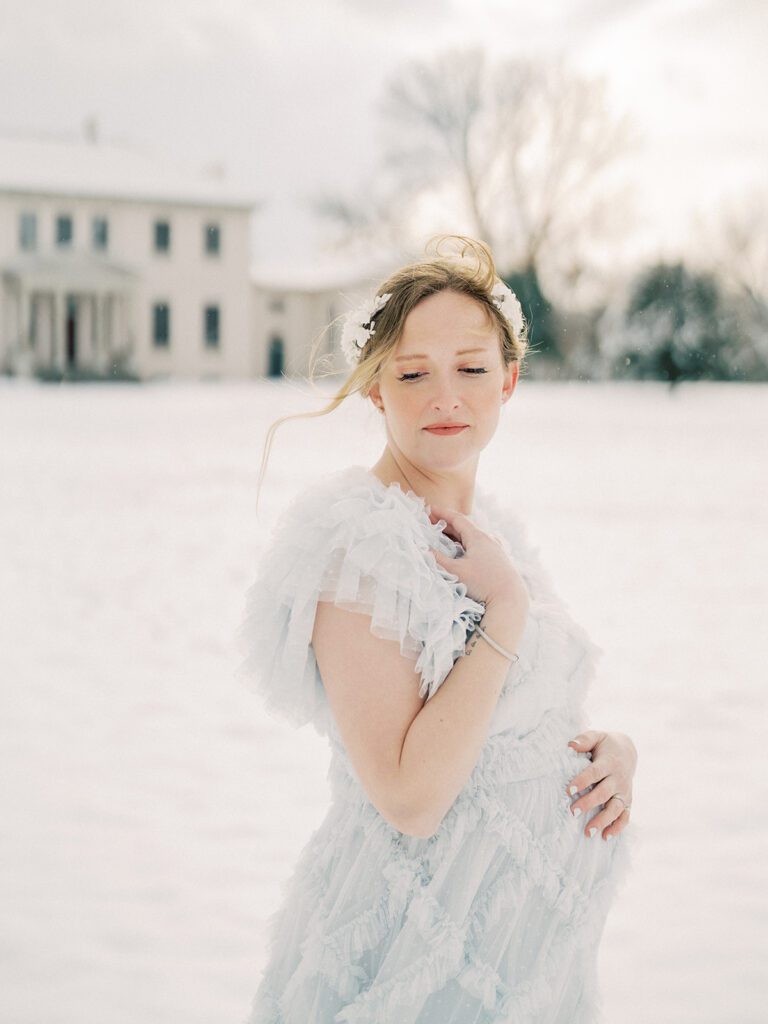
{"type": "Point", "coordinates": [576, 812]}
{"type": "Point", "coordinates": [592, 832]}
{"type": "Point", "coordinates": [573, 789]}
{"type": "Point", "coordinates": [609, 836]}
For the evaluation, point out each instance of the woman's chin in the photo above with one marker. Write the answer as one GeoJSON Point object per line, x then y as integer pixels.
{"type": "Point", "coordinates": [455, 461]}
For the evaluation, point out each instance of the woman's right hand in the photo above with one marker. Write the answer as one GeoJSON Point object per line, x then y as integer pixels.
{"type": "Point", "coordinates": [485, 568]}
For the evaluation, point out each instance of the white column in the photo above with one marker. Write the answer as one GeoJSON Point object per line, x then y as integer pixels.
{"type": "Point", "coordinates": [23, 336]}
{"type": "Point", "coordinates": [109, 326]}
{"type": "Point", "coordinates": [56, 329]}
{"type": "Point", "coordinates": [93, 320]}
{"type": "Point", "coordinates": [120, 322]}
{"type": "Point", "coordinates": [98, 329]}
{"type": "Point", "coordinates": [44, 329]}
{"type": "Point", "coordinates": [77, 329]}
{"type": "Point", "coordinates": [15, 331]}
{"type": "Point", "coordinates": [83, 318]}
{"type": "Point", "coordinates": [106, 328]}
{"type": "Point", "coordinates": [6, 340]}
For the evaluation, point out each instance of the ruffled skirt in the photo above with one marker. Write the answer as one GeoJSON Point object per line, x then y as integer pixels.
{"type": "Point", "coordinates": [495, 918]}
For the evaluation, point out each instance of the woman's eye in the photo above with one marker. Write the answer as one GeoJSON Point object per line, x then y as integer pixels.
{"type": "Point", "coordinates": [464, 369]}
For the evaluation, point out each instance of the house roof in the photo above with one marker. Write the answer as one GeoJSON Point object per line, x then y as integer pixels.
{"type": "Point", "coordinates": [63, 165]}
{"type": "Point", "coordinates": [324, 274]}
{"type": "Point", "coordinates": [70, 270]}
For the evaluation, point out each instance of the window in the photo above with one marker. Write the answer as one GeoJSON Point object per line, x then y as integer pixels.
{"type": "Point", "coordinates": [64, 229]}
{"type": "Point", "coordinates": [161, 324]}
{"type": "Point", "coordinates": [276, 304]}
{"type": "Point", "coordinates": [211, 326]}
{"type": "Point", "coordinates": [28, 231]}
{"type": "Point", "coordinates": [162, 236]}
{"type": "Point", "coordinates": [100, 232]}
{"type": "Point", "coordinates": [212, 239]}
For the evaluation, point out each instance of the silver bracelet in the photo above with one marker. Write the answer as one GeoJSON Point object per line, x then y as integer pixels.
{"type": "Point", "coordinates": [512, 657]}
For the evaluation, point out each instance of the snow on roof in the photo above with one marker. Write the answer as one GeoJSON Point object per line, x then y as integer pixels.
{"type": "Point", "coordinates": [326, 273]}
{"type": "Point", "coordinates": [73, 166]}
{"type": "Point", "coordinates": [69, 270]}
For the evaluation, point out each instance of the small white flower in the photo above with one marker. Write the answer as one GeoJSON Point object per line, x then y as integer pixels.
{"type": "Point", "coordinates": [355, 334]}
{"type": "Point", "coordinates": [509, 305]}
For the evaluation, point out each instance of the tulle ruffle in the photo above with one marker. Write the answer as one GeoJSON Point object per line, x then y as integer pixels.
{"type": "Point", "coordinates": [387, 922]}
{"type": "Point", "coordinates": [367, 548]}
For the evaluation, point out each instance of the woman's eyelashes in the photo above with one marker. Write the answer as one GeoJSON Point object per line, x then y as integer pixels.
{"type": "Point", "coordinates": [464, 369]}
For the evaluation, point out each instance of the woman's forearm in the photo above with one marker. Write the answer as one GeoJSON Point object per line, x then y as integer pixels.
{"type": "Point", "coordinates": [443, 743]}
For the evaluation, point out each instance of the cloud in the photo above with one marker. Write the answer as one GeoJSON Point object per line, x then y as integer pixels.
{"type": "Point", "coordinates": [415, 10]}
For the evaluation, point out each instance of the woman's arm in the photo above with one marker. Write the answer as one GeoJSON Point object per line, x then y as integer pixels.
{"type": "Point", "coordinates": [444, 741]}
{"type": "Point", "coordinates": [412, 757]}
{"type": "Point", "coordinates": [612, 770]}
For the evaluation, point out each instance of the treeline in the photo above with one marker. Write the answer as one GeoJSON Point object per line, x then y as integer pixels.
{"type": "Point", "coordinates": [669, 323]}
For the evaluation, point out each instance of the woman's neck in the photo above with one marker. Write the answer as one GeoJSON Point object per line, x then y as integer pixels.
{"type": "Point", "coordinates": [446, 491]}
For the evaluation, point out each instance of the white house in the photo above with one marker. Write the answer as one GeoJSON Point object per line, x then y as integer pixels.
{"type": "Point", "coordinates": [112, 258]}
{"type": "Point", "coordinates": [295, 306]}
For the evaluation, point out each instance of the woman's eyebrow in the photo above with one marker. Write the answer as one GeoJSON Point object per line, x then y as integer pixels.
{"type": "Point", "coordinates": [461, 352]}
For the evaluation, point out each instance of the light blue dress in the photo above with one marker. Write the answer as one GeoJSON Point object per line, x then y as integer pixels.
{"type": "Point", "coordinates": [497, 917]}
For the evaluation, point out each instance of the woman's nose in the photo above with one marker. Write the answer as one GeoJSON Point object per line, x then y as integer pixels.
{"type": "Point", "coordinates": [445, 397]}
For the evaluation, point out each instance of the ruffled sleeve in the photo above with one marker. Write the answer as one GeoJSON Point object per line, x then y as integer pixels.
{"type": "Point", "coordinates": [368, 549]}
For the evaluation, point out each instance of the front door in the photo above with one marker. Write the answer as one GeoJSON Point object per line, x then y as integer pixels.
{"type": "Point", "coordinates": [276, 357]}
{"type": "Point", "coordinates": [71, 332]}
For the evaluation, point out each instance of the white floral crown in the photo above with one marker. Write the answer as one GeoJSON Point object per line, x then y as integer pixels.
{"type": "Point", "coordinates": [357, 329]}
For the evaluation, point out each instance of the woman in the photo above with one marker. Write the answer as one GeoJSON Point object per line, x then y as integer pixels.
{"type": "Point", "coordinates": [404, 613]}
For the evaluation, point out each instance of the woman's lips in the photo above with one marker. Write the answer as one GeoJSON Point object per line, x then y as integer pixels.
{"type": "Point", "coordinates": [446, 430]}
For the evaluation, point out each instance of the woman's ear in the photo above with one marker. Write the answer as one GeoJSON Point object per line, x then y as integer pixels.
{"type": "Point", "coordinates": [511, 374]}
{"type": "Point", "coordinates": [374, 394]}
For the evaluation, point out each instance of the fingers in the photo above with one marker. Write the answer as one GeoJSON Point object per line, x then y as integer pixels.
{"type": "Point", "coordinates": [588, 776]}
{"type": "Point", "coordinates": [618, 825]}
{"type": "Point", "coordinates": [586, 740]}
{"type": "Point", "coordinates": [604, 761]}
{"type": "Point", "coordinates": [459, 525]}
{"type": "Point", "coordinates": [597, 795]}
{"type": "Point", "coordinates": [599, 789]}
{"type": "Point", "coordinates": [446, 561]}
{"type": "Point", "coordinates": [609, 822]}
{"type": "Point", "coordinates": [613, 815]}
{"type": "Point", "coordinates": [451, 516]}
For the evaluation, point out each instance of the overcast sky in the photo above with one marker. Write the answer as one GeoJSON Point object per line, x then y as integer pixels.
{"type": "Point", "coordinates": [282, 92]}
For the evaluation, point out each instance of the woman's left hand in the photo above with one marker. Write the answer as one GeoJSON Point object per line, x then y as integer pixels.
{"type": "Point", "coordinates": [612, 770]}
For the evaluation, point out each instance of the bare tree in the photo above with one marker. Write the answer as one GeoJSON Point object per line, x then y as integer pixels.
{"type": "Point", "coordinates": [513, 153]}
{"type": "Point", "coordinates": [735, 244]}
{"type": "Point", "coordinates": [432, 116]}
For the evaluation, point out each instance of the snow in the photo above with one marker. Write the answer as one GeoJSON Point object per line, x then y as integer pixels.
{"type": "Point", "coordinates": [150, 813]}
{"type": "Point", "coordinates": [326, 273]}
{"type": "Point", "coordinates": [70, 166]}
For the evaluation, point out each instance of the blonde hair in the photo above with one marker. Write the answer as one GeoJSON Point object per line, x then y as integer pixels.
{"type": "Point", "coordinates": [467, 267]}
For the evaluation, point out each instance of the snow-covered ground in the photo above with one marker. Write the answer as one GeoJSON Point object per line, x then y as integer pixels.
{"type": "Point", "coordinates": [150, 811]}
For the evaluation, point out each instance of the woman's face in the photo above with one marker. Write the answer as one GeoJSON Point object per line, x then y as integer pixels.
{"type": "Point", "coordinates": [446, 368]}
